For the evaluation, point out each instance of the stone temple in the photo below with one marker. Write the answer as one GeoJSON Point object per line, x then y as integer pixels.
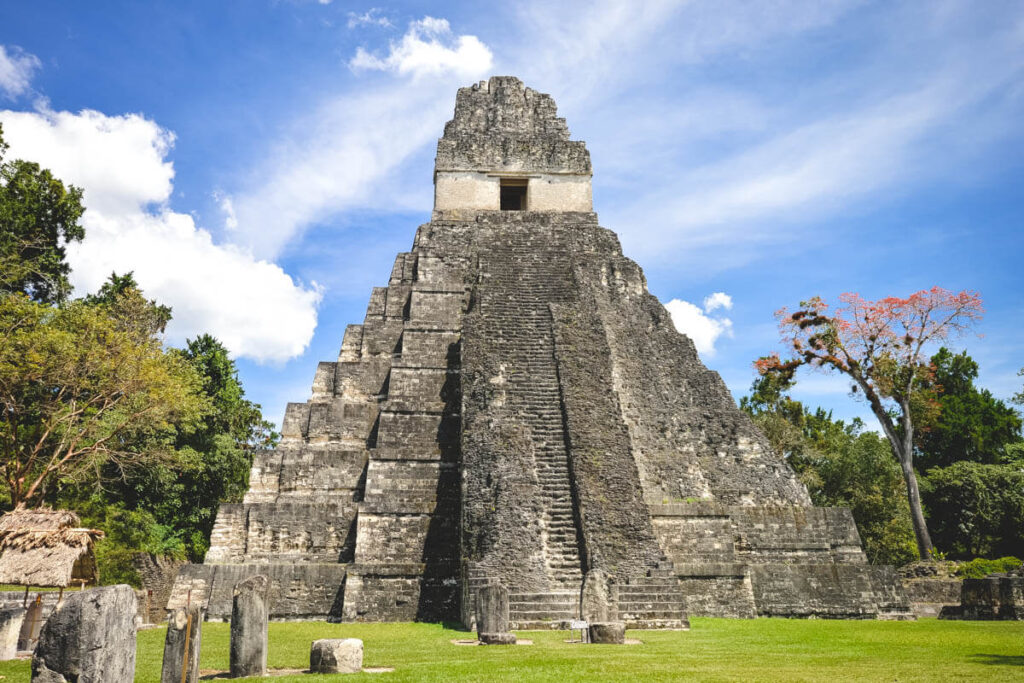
{"type": "Point", "coordinates": [516, 407]}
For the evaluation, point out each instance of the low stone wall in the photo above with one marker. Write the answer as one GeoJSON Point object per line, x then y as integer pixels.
{"type": "Point", "coordinates": [997, 596]}
{"type": "Point", "coordinates": [717, 590]}
{"type": "Point", "coordinates": [297, 591]}
{"type": "Point", "coordinates": [835, 591]}
{"type": "Point", "coordinates": [928, 596]}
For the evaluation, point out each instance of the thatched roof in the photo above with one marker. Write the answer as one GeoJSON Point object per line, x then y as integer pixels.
{"type": "Point", "coordinates": [45, 547]}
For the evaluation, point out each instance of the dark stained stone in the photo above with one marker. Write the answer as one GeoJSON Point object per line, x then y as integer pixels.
{"type": "Point", "coordinates": [248, 656]}
{"type": "Point", "coordinates": [608, 632]}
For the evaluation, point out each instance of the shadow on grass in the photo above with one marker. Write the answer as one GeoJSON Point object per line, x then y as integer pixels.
{"type": "Point", "coordinates": [999, 660]}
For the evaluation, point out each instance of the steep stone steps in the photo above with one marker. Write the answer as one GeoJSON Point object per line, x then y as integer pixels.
{"type": "Point", "coordinates": [518, 280]}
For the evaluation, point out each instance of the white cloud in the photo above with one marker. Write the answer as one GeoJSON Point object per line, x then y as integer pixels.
{"type": "Point", "coordinates": [251, 305]}
{"type": "Point", "coordinates": [698, 324]}
{"type": "Point", "coordinates": [17, 68]}
{"type": "Point", "coordinates": [372, 17]}
{"type": "Point", "coordinates": [717, 300]}
{"type": "Point", "coordinates": [429, 48]}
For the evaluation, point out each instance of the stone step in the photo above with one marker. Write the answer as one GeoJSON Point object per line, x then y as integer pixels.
{"type": "Point", "coordinates": [627, 614]}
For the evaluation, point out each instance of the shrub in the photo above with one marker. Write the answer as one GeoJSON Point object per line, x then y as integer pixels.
{"type": "Point", "coordinates": [979, 568]}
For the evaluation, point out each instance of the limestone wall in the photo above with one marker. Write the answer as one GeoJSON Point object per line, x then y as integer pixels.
{"type": "Point", "coordinates": [479, 191]}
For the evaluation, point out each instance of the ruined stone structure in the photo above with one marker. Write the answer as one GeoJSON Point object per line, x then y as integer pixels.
{"type": "Point", "coordinates": [517, 408]}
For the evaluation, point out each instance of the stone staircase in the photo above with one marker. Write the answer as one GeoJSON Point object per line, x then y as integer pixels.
{"type": "Point", "coordinates": [539, 611]}
{"type": "Point", "coordinates": [520, 281]}
{"type": "Point", "coordinates": [654, 601]}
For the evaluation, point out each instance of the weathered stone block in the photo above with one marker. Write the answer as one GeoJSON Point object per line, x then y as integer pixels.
{"type": "Point", "coordinates": [90, 638]}
{"type": "Point", "coordinates": [608, 633]}
{"type": "Point", "coordinates": [182, 644]}
{"type": "Point", "coordinates": [336, 656]}
{"type": "Point", "coordinates": [492, 609]}
{"type": "Point", "coordinates": [497, 638]}
{"type": "Point", "coordinates": [598, 601]}
{"type": "Point", "coordinates": [11, 620]}
{"type": "Point", "coordinates": [249, 614]}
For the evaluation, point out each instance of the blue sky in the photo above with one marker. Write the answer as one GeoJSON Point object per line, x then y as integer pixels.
{"type": "Point", "coordinates": [258, 164]}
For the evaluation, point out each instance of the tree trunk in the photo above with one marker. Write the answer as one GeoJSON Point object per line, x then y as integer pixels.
{"type": "Point", "coordinates": [904, 452]}
{"type": "Point", "coordinates": [924, 539]}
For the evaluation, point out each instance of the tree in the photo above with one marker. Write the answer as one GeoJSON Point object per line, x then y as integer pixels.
{"type": "Point", "coordinates": [122, 298]}
{"type": "Point", "coordinates": [212, 457]}
{"type": "Point", "coordinates": [841, 465]}
{"type": "Point", "coordinates": [83, 390]}
{"type": "Point", "coordinates": [972, 424]}
{"type": "Point", "coordinates": [880, 346]}
{"type": "Point", "coordinates": [976, 509]}
{"type": "Point", "coordinates": [38, 217]}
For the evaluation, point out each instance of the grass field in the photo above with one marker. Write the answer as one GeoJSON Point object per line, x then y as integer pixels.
{"type": "Point", "coordinates": [714, 650]}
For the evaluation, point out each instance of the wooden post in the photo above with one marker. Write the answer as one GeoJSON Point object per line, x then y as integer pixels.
{"type": "Point", "coordinates": [184, 658]}
{"type": "Point", "coordinates": [24, 603]}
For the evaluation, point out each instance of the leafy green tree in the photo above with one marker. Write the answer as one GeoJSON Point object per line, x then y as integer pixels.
{"type": "Point", "coordinates": [841, 464]}
{"type": "Point", "coordinates": [977, 509]}
{"type": "Point", "coordinates": [854, 468]}
{"type": "Point", "coordinates": [38, 217]}
{"type": "Point", "coordinates": [972, 424]}
{"type": "Point", "coordinates": [212, 456]}
{"type": "Point", "coordinates": [84, 392]}
{"type": "Point", "coordinates": [145, 315]}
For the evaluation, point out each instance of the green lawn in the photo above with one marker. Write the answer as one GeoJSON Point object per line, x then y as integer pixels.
{"type": "Point", "coordinates": [715, 650]}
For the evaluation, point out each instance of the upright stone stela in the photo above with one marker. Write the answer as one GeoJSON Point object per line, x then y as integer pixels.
{"type": "Point", "coordinates": [516, 407]}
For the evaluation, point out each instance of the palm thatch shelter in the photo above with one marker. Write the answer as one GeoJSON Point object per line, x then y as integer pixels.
{"type": "Point", "coordinates": [47, 548]}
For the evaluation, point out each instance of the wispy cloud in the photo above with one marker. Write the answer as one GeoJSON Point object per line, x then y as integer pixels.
{"type": "Point", "coordinates": [371, 17]}
{"type": "Point", "coordinates": [343, 156]}
{"type": "Point", "coordinates": [17, 69]}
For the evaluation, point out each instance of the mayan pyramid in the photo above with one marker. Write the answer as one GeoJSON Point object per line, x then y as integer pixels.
{"type": "Point", "coordinates": [516, 407]}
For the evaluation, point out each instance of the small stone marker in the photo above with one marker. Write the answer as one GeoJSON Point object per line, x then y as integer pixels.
{"type": "Point", "coordinates": [492, 615]}
{"type": "Point", "coordinates": [249, 614]}
{"type": "Point", "coordinates": [182, 644]}
{"type": "Point", "coordinates": [90, 637]}
{"type": "Point", "coordinates": [608, 632]}
{"type": "Point", "coordinates": [336, 656]}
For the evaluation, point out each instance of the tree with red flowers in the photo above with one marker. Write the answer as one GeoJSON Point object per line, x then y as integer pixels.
{"type": "Point", "coordinates": [880, 345]}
